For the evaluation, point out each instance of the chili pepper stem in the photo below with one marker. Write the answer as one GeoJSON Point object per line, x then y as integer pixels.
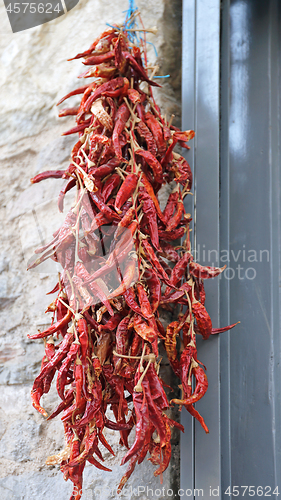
{"type": "Point", "coordinates": [142, 357]}
{"type": "Point", "coordinates": [67, 306]}
{"type": "Point", "coordinates": [138, 386]}
{"type": "Point", "coordinates": [147, 357]}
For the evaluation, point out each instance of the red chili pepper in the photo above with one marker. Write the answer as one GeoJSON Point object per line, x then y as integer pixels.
{"type": "Point", "coordinates": [83, 338]}
{"type": "Point", "coordinates": [204, 272]}
{"type": "Point", "coordinates": [68, 112]}
{"type": "Point", "coordinates": [104, 40]}
{"type": "Point", "coordinates": [141, 409]}
{"type": "Point", "coordinates": [99, 58]}
{"type": "Point", "coordinates": [156, 388]}
{"type": "Point", "coordinates": [105, 443]}
{"type": "Point", "coordinates": [155, 413]}
{"type": "Point", "coordinates": [129, 276]}
{"type": "Point", "coordinates": [180, 268]}
{"type": "Point", "coordinates": [126, 190]}
{"type": "Point", "coordinates": [120, 61]}
{"type": "Point", "coordinates": [104, 169]}
{"type": "Point", "coordinates": [103, 70]}
{"type": "Point", "coordinates": [145, 331]}
{"type": "Point", "coordinates": [200, 389]}
{"type": "Point", "coordinates": [78, 91]}
{"type": "Point", "coordinates": [144, 301]}
{"type": "Point", "coordinates": [155, 262]}
{"type": "Point", "coordinates": [187, 135]}
{"type": "Point", "coordinates": [108, 212]}
{"type": "Point", "coordinates": [79, 128]}
{"type": "Point", "coordinates": [145, 133]}
{"type": "Point", "coordinates": [104, 89]}
{"type": "Point", "coordinates": [175, 220]}
{"type": "Point", "coordinates": [94, 462]}
{"type": "Point", "coordinates": [183, 174]}
{"type": "Point", "coordinates": [122, 335]}
{"type": "Point", "coordinates": [153, 163]}
{"type": "Point", "coordinates": [151, 217]}
{"type": "Point", "coordinates": [94, 286]}
{"type": "Point", "coordinates": [53, 328]}
{"type": "Point", "coordinates": [149, 189]}
{"type": "Point", "coordinates": [172, 235]}
{"type": "Point", "coordinates": [63, 405]}
{"type": "Point", "coordinates": [156, 130]}
{"type": "Point", "coordinates": [112, 323]}
{"type": "Point", "coordinates": [70, 184]}
{"type": "Point", "coordinates": [169, 252]}
{"type": "Point", "coordinates": [54, 174]}
{"type": "Point", "coordinates": [130, 298]}
{"type": "Point", "coordinates": [128, 473]}
{"type": "Point", "coordinates": [126, 220]}
{"type": "Point", "coordinates": [54, 361]}
{"type": "Point", "coordinates": [121, 118]}
{"type": "Point", "coordinates": [139, 69]}
{"type": "Point", "coordinates": [63, 371]}
{"type": "Point", "coordinates": [109, 187]}
{"type": "Point", "coordinates": [141, 112]}
{"type": "Point", "coordinates": [171, 346]}
{"type": "Point", "coordinates": [116, 426]}
{"type": "Point", "coordinates": [223, 329]}
{"type": "Point", "coordinates": [197, 415]}
{"type": "Point", "coordinates": [90, 444]}
{"type": "Point", "coordinates": [154, 286]}
{"type": "Point", "coordinates": [203, 319]}
{"type": "Point", "coordinates": [134, 96]}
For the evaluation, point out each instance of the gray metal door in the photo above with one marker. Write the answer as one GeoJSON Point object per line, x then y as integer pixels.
{"type": "Point", "coordinates": [231, 81]}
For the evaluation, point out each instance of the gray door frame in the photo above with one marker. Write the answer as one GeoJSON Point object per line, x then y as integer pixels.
{"type": "Point", "coordinates": [230, 97]}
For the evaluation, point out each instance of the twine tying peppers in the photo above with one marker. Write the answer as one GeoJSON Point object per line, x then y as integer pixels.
{"type": "Point", "coordinates": [107, 333]}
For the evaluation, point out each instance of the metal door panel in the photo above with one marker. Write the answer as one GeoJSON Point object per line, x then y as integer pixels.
{"type": "Point", "coordinates": [253, 26]}
{"type": "Point", "coordinates": [201, 112]}
{"type": "Point", "coordinates": [207, 449]}
{"type": "Point", "coordinates": [231, 81]}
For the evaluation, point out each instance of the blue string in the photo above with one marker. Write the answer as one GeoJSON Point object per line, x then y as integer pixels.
{"type": "Point", "coordinates": [133, 36]}
{"type": "Point", "coordinates": [110, 25]}
{"type": "Point", "coordinates": [131, 23]}
{"type": "Point", "coordinates": [150, 43]}
{"type": "Point", "coordinates": [162, 76]}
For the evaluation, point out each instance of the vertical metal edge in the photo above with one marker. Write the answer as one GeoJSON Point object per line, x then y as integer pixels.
{"type": "Point", "coordinates": [225, 406]}
{"type": "Point", "coordinates": [275, 226]}
{"type": "Point", "coordinates": [188, 122]}
{"type": "Point", "coordinates": [207, 447]}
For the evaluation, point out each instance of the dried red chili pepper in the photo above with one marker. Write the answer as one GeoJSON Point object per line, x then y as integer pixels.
{"type": "Point", "coordinates": [121, 118]}
{"type": "Point", "coordinates": [154, 286]}
{"type": "Point", "coordinates": [54, 174]}
{"type": "Point", "coordinates": [126, 190]}
{"type": "Point", "coordinates": [157, 132]}
{"type": "Point", "coordinates": [116, 229]}
{"type": "Point", "coordinates": [204, 272]}
{"type": "Point", "coordinates": [153, 163]}
{"type": "Point", "coordinates": [144, 301]}
{"type": "Point", "coordinates": [53, 328]}
{"type": "Point", "coordinates": [203, 319]}
{"type": "Point", "coordinates": [145, 133]}
{"type": "Point", "coordinates": [200, 389]}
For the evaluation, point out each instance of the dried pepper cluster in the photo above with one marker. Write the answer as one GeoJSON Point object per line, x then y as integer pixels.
{"type": "Point", "coordinates": [108, 331]}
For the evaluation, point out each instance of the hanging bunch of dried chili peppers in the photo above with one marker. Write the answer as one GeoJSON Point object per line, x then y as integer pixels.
{"type": "Point", "coordinates": [119, 269]}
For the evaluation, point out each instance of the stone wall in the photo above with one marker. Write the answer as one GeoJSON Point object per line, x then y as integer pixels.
{"type": "Point", "coordinates": [34, 75]}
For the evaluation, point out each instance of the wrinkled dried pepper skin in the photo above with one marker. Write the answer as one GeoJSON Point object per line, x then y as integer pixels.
{"type": "Point", "coordinates": [119, 268]}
